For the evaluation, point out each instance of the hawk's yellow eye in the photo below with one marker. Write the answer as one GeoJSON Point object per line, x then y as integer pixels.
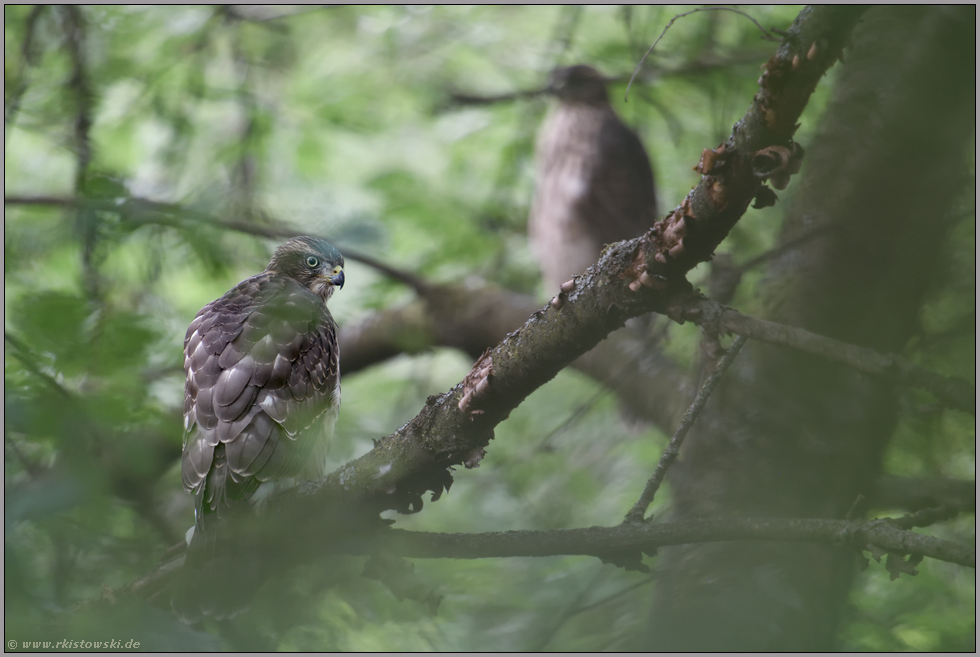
{"type": "Point", "coordinates": [312, 262]}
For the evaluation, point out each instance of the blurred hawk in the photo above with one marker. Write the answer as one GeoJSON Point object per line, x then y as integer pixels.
{"type": "Point", "coordinates": [262, 388]}
{"type": "Point", "coordinates": [594, 180]}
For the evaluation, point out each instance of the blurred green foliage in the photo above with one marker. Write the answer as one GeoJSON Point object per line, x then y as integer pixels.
{"type": "Point", "coordinates": [341, 121]}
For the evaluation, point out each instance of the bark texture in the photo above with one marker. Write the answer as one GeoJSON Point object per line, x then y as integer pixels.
{"type": "Point", "coordinates": [791, 435]}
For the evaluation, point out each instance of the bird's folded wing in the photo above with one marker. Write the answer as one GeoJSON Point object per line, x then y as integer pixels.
{"type": "Point", "coordinates": [261, 368]}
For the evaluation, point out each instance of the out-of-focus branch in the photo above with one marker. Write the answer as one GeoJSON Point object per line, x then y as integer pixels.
{"type": "Point", "coordinates": [912, 494]}
{"type": "Point", "coordinates": [951, 391]}
{"type": "Point", "coordinates": [144, 211]}
{"type": "Point", "coordinates": [699, 66]}
{"type": "Point", "coordinates": [27, 59]}
{"type": "Point", "coordinates": [85, 221]}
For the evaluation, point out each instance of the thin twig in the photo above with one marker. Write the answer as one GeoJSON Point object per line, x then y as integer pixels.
{"type": "Point", "coordinates": [610, 385]}
{"type": "Point", "coordinates": [856, 506]}
{"type": "Point", "coordinates": [765, 35]}
{"type": "Point", "coordinates": [618, 594]}
{"type": "Point", "coordinates": [571, 610]}
{"type": "Point", "coordinates": [780, 249]}
{"type": "Point", "coordinates": [23, 353]}
{"type": "Point", "coordinates": [673, 448]}
{"type": "Point", "coordinates": [577, 415]}
{"type": "Point", "coordinates": [245, 173]}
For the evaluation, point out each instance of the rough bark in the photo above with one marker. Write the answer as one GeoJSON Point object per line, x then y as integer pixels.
{"type": "Point", "coordinates": [790, 435]}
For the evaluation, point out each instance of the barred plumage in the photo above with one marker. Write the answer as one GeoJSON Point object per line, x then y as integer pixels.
{"type": "Point", "coordinates": [262, 378]}
{"type": "Point", "coordinates": [594, 179]}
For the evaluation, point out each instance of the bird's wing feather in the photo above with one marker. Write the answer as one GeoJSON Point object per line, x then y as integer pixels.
{"type": "Point", "coordinates": [261, 368]}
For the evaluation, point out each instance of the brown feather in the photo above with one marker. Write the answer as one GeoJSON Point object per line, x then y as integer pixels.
{"type": "Point", "coordinates": [595, 183]}
{"type": "Point", "coordinates": [262, 379]}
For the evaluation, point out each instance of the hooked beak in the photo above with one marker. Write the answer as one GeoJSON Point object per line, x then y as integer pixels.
{"type": "Point", "coordinates": [338, 279]}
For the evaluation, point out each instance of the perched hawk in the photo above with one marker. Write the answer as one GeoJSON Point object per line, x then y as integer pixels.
{"type": "Point", "coordinates": [594, 181]}
{"type": "Point", "coordinates": [263, 379]}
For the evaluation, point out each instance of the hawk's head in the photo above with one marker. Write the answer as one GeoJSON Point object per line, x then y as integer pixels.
{"type": "Point", "coordinates": [311, 262]}
{"type": "Point", "coordinates": [580, 83]}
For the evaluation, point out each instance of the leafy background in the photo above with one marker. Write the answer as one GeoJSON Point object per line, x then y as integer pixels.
{"type": "Point", "coordinates": [341, 121]}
